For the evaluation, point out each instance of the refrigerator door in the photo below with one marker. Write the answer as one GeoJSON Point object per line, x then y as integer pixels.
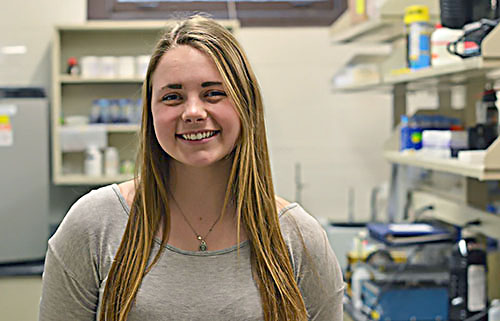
{"type": "Point", "coordinates": [24, 179]}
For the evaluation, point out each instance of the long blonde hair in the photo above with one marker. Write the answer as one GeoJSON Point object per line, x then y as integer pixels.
{"type": "Point", "coordinates": [250, 185]}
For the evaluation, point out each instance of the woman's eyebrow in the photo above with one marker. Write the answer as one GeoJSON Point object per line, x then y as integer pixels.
{"type": "Point", "coordinates": [172, 86]}
{"type": "Point", "coordinates": [211, 83]}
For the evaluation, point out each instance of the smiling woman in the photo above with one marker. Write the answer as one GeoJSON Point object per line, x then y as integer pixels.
{"type": "Point", "coordinates": [199, 234]}
{"type": "Point", "coordinates": [248, 12]}
{"type": "Point", "coordinates": [194, 120]}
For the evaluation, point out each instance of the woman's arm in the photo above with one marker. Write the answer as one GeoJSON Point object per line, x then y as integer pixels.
{"type": "Point", "coordinates": [72, 275]}
{"type": "Point", "coordinates": [64, 297]}
{"type": "Point", "coordinates": [316, 268]}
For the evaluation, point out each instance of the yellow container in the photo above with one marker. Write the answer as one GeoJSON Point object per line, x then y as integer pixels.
{"type": "Point", "coordinates": [416, 14]}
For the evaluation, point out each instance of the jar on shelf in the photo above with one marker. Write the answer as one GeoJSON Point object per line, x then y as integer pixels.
{"type": "Point", "coordinates": [418, 32]}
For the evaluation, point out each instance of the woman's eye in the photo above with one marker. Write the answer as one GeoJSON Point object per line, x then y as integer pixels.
{"type": "Point", "coordinates": [216, 93]}
{"type": "Point", "coordinates": [170, 97]}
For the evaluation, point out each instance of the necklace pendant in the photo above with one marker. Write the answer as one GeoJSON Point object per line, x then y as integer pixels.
{"type": "Point", "coordinates": [203, 245]}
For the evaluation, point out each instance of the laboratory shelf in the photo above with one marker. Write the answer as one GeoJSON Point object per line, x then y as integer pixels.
{"type": "Point", "coordinates": [451, 73]}
{"type": "Point", "coordinates": [122, 128]}
{"type": "Point", "coordinates": [360, 86]}
{"type": "Point", "coordinates": [68, 79]}
{"type": "Point", "coordinates": [371, 54]}
{"type": "Point", "coordinates": [391, 31]}
{"type": "Point", "coordinates": [110, 128]}
{"type": "Point", "coordinates": [76, 179]}
{"type": "Point", "coordinates": [458, 213]}
{"type": "Point", "coordinates": [453, 166]}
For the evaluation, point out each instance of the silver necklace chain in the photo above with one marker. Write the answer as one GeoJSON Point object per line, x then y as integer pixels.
{"type": "Point", "coordinates": [202, 239]}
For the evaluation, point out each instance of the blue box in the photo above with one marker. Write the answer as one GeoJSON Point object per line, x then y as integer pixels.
{"type": "Point", "coordinates": [398, 302]}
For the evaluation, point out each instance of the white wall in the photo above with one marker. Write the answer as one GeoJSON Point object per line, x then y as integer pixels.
{"type": "Point", "coordinates": [337, 138]}
{"type": "Point", "coordinates": [30, 23]}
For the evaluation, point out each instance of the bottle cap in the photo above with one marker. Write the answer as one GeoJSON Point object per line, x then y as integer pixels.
{"type": "Point", "coordinates": [72, 61]}
{"type": "Point", "coordinates": [416, 13]}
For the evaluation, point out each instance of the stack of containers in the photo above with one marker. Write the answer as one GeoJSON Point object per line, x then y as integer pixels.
{"type": "Point", "coordinates": [114, 111]}
{"type": "Point", "coordinates": [434, 135]}
{"type": "Point", "coordinates": [114, 67]}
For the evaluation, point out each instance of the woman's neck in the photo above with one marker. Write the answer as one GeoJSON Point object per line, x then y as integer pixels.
{"type": "Point", "coordinates": [199, 189]}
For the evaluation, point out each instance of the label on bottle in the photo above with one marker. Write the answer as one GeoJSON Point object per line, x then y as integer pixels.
{"type": "Point", "coordinates": [476, 288]}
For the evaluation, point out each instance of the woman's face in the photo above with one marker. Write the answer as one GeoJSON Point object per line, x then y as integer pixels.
{"type": "Point", "coordinates": [195, 121]}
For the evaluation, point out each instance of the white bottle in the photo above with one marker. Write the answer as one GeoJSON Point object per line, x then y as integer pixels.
{"type": "Point", "coordinates": [111, 161]}
{"type": "Point", "coordinates": [494, 311]}
{"type": "Point", "coordinates": [360, 275]}
{"type": "Point", "coordinates": [439, 41]}
{"type": "Point", "coordinates": [93, 161]}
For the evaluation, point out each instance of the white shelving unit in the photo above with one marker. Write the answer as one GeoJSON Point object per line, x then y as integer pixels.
{"type": "Point", "coordinates": [110, 128]}
{"type": "Point", "coordinates": [67, 79]}
{"type": "Point", "coordinates": [73, 95]}
{"type": "Point", "coordinates": [452, 165]}
{"type": "Point", "coordinates": [74, 179]}
{"type": "Point", "coordinates": [472, 74]}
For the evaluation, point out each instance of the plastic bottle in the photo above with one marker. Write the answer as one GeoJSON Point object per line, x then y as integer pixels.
{"type": "Point", "coordinates": [105, 111]}
{"type": "Point", "coordinates": [93, 161]}
{"type": "Point", "coordinates": [360, 275]}
{"type": "Point", "coordinates": [494, 311]}
{"type": "Point", "coordinates": [73, 68]}
{"type": "Point", "coordinates": [95, 112]}
{"type": "Point", "coordinates": [415, 132]}
{"type": "Point", "coordinates": [418, 31]}
{"type": "Point", "coordinates": [111, 161]}
{"type": "Point", "coordinates": [114, 110]}
{"type": "Point", "coordinates": [440, 39]}
{"type": "Point", "coordinates": [467, 287]}
{"type": "Point", "coordinates": [126, 110]}
{"type": "Point", "coordinates": [405, 137]}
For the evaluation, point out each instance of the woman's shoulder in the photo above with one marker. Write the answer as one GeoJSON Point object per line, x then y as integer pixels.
{"type": "Point", "coordinates": [91, 219]}
{"type": "Point", "coordinates": [302, 233]}
{"type": "Point", "coordinates": [96, 206]}
{"type": "Point", "coordinates": [294, 217]}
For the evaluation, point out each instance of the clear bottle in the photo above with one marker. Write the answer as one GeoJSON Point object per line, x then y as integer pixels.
{"type": "Point", "coordinates": [93, 161]}
{"type": "Point", "coordinates": [111, 161]}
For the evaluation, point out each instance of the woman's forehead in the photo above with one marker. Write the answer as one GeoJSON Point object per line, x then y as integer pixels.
{"type": "Point", "coordinates": [185, 64]}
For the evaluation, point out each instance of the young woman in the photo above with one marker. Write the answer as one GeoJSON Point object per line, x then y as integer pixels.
{"type": "Point", "coordinates": [199, 234]}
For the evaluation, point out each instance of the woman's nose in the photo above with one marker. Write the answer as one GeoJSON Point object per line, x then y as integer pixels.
{"type": "Point", "coordinates": [194, 112]}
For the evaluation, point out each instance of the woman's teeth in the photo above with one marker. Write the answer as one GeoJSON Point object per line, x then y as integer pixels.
{"type": "Point", "coordinates": [199, 136]}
